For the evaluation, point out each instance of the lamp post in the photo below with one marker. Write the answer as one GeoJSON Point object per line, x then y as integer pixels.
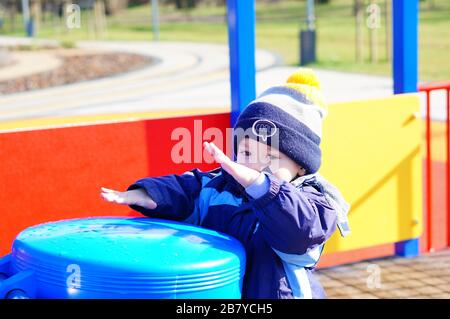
{"type": "Point", "coordinates": [27, 22]}
{"type": "Point", "coordinates": [308, 36]}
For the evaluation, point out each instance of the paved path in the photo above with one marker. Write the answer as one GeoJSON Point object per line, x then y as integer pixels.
{"type": "Point", "coordinates": [425, 276]}
{"type": "Point", "coordinates": [186, 76]}
{"type": "Point", "coordinates": [24, 63]}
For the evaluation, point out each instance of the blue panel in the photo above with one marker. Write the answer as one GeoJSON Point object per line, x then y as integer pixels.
{"type": "Point", "coordinates": [241, 39]}
{"type": "Point", "coordinates": [405, 28]}
{"type": "Point", "coordinates": [407, 248]}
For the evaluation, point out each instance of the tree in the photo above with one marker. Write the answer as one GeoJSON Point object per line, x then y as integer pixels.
{"type": "Point", "coordinates": [182, 4]}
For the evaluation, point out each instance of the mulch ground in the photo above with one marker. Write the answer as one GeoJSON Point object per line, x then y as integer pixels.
{"type": "Point", "coordinates": [76, 68]}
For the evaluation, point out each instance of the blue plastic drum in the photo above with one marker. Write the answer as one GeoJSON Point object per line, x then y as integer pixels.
{"type": "Point", "coordinates": [126, 258]}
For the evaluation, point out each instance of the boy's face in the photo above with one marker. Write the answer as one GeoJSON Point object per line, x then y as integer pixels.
{"type": "Point", "coordinates": [259, 156]}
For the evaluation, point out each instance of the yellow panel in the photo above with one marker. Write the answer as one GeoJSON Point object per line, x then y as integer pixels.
{"type": "Point", "coordinates": [372, 152]}
{"type": "Point", "coordinates": [54, 122]}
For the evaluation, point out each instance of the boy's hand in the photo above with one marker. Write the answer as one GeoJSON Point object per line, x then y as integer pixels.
{"type": "Point", "coordinates": [134, 197]}
{"type": "Point", "coordinates": [242, 174]}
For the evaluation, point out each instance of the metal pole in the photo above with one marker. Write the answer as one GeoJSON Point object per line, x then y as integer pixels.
{"type": "Point", "coordinates": [308, 36]}
{"type": "Point", "coordinates": [405, 28]}
{"type": "Point", "coordinates": [428, 170]}
{"type": "Point", "coordinates": [155, 20]}
{"type": "Point", "coordinates": [405, 20]}
{"type": "Point", "coordinates": [241, 41]}
{"type": "Point", "coordinates": [25, 12]}
{"type": "Point", "coordinates": [310, 18]}
{"type": "Point", "coordinates": [447, 97]}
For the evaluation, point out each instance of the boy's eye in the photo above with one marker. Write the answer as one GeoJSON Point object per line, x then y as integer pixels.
{"type": "Point", "coordinates": [246, 153]}
{"type": "Point", "coordinates": [273, 157]}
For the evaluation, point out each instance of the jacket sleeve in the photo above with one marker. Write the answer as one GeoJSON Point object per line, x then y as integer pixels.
{"type": "Point", "coordinates": [175, 195]}
{"type": "Point", "coordinates": [294, 221]}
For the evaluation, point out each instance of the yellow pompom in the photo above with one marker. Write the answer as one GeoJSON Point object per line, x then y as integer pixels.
{"type": "Point", "coordinates": [304, 76]}
{"type": "Point", "coordinates": [306, 82]}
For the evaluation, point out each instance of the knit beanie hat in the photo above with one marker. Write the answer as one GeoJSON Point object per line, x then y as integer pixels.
{"type": "Point", "coordinates": [290, 114]}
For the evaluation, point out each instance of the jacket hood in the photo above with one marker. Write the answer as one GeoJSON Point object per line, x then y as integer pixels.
{"type": "Point", "coordinates": [333, 196]}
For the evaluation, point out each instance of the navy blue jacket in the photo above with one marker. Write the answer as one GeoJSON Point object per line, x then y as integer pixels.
{"type": "Point", "coordinates": [283, 231]}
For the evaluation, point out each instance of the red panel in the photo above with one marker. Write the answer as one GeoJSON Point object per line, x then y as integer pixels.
{"type": "Point", "coordinates": [56, 174]}
{"type": "Point", "coordinates": [439, 210]}
{"type": "Point", "coordinates": [434, 86]}
{"type": "Point", "coordinates": [163, 135]}
{"type": "Point", "coordinates": [352, 256]}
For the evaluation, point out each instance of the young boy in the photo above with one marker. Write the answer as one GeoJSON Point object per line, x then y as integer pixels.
{"type": "Point", "coordinates": [270, 198]}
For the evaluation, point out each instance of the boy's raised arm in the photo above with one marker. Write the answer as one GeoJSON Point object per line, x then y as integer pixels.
{"type": "Point", "coordinates": [294, 221]}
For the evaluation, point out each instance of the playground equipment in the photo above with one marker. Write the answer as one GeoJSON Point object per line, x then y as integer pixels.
{"type": "Point", "coordinates": [387, 211]}
{"type": "Point", "coordinates": [443, 195]}
{"type": "Point", "coordinates": [122, 258]}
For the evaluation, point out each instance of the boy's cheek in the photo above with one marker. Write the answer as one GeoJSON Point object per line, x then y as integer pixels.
{"type": "Point", "coordinates": [284, 174]}
{"type": "Point", "coordinates": [253, 166]}
{"type": "Point", "coordinates": [248, 163]}
{"type": "Point", "coordinates": [246, 160]}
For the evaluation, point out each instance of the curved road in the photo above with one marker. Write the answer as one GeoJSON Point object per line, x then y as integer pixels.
{"type": "Point", "coordinates": [186, 77]}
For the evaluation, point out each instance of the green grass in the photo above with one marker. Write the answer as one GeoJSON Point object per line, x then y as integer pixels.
{"type": "Point", "coordinates": [277, 29]}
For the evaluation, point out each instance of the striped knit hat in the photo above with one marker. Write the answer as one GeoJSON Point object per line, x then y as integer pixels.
{"type": "Point", "coordinates": [292, 113]}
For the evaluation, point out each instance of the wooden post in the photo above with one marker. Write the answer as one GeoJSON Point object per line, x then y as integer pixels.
{"type": "Point", "coordinates": [65, 16]}
{"type": "Point", "coordinates": [90, 23]}
{"type": "Point", "coordinates": [359, 18]}
{"type": "Point", "coordinates": [100, 19]}
{"type": "Point", "coordinates": [54, 19]}
{"type": "Point", "coordinates": [373, 24]}
{"type": "Point", "coordinates": [35, 13]}
{"type": "Point", "coordinates": [12, 15]}
{"type": "Point", "coordinates": [96, 20]}
{"type": "Point", "coordinates": [387, 20]}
